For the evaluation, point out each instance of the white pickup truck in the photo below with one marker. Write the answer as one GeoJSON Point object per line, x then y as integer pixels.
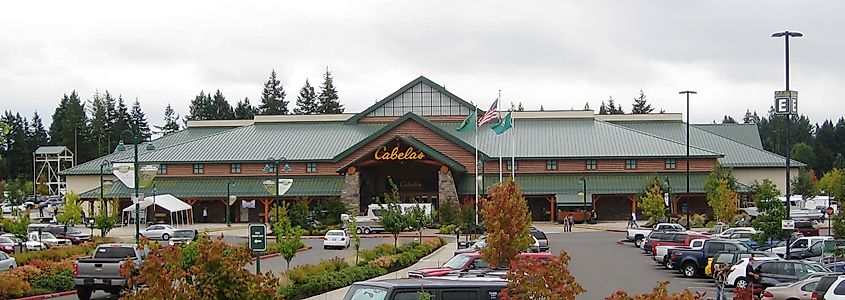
{"type": "Point", "coordinates": [660, 252]}
{"type": "Point", "coordinates": [637, 235]}
{"type": "Point", "coordinates": [48, 239]}
{"type": "Point", "coordinates": [370, 222]}
{"type": "Point", "coordinates": [799, 244]}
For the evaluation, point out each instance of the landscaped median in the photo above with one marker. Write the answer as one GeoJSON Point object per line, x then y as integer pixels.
{"type": "Point", "coordinates": [311, 280]}
{"type": "Point", "coordinates": [43, 272]}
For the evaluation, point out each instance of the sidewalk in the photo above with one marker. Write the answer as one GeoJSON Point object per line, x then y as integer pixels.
{"type": "Point", "coordinates": [615, 226]}
{"type": "Point", "coordinates": [435, 259]}
{"type": "Point", "coordinates": [128, 231]}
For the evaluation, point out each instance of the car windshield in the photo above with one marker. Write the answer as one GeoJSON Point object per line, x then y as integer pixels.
{"type": "Point", "coordinates": [114, 252]}
{"type": "Point", "coordinates": [187, 234]}
{"type": "Point", "coordinates": [335, 233]}
{"type": "Point", "coordinates": [539, 235]}
{"type": "Point", "coordinates": [6, 240]}
{"type": "Point", "coordinates": [47, 236]}
{"type": "Point", "coordinates": [366, 293]}
{"type": "Point", "coordinates": [457, 262]}
{"type": "Point", "coordinates": [71, 230]}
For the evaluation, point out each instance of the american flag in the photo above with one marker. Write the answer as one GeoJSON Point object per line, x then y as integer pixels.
{"type": "Point", "coordinates": [490, 114]}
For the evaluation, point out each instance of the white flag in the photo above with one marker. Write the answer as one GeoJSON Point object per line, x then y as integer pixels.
{"type": "Point", "coordinates": [125, 172]}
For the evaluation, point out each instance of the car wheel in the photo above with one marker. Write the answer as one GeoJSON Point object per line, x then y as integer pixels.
{"type": "Point", "coordinates": [689, 269]}
{"type": "Point", "coordinates": [83, 293]}
{"type": "Point", "coordinates": [165, 237]}
{"type": "Point", "coordinates": [638, 242]}
{"type": "Point", "coordinates": [357, 230]}
{"type": "Point", "coordinates": [324, 246]}
{"type": "Point", "coordinates": [366, 230]}
{"type": "Point", "coordinates": [741, 283]}
{"type": "Point", "coordinates": [668, 264]}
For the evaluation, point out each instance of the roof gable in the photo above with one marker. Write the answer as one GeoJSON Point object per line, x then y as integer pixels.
{"type": "Point", "coordinates": [420, 96]}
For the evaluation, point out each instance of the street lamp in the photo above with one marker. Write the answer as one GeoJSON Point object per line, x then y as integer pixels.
{"type": "Point", "coordinates": [122, 147]}
{"type": "Point", "coordinates": [275, 163]}
{"type": "Point", "coordinates": [668, 201]}
{"type": "Point", "coordinates": [583, 194]}
{"type": "Point", "coordinates": [105, 166]}
{"type": "Point", "coordinates": [687, 196]}
{"type": "Point", "coordinates": [155, 191]}
{"type": "Point", "coordinates": [786, 35]}
{"type": "Point", "coordinates": [229, 201]}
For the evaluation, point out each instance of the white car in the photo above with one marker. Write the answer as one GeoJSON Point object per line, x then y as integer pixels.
{"type": "Point", "coordinates": [799, 244]}
{"type": "Point", "coordinates": [336, 239]}
{"type": "Point", "coordinates": [728, 232]}
{"type": "Point", "coordinates": [158, 231]}
{"type": "Point", "coordinates": [30, 245]}
{"type": "Point", "coordinates": [835, 290]}
{"type": "Point", "coordinates": [737, 275]}
{"type": "Point", "coordinates": [49, 239]}
{"type": "Point", "coordinates": [7, 262]}
{"type": "Point", "coordinates": [7, 208]}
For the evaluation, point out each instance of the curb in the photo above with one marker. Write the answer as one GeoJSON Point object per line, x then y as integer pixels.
{"type": "Point", "coordinates": [600, 228]}
{"type": "Point", "coordinates": [372, 236]}
{"type": "Point", "coordinates": [48, 296]}
{"type": "Point", "coordinates": [271, 255]}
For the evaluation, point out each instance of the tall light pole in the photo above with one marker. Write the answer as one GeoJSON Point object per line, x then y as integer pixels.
{"type": "Point", "coordinates": [277, 162]}
{"type": "Point", "coordinates": [155, 191]}
{"type": "Point", "coordinates": [103, 165]}
{"type": "Point", "coordinates": [688, 192]}
{"type": "Point", "coordinates": [229, 185]}
{"type": "Point", "coordinates": [668, 201]}
{"type": "Point", "coordinates": [583, 182]}
{"type": "Point", "coordinates": [122, 147]}
{"type": "Point", "coordinates": [786, 35]}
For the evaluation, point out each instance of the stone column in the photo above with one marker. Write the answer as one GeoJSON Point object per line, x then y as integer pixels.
{"type": "Point", "coordinates": [350, 194]}
{"type": "Point", "coordinates": [447, 192]}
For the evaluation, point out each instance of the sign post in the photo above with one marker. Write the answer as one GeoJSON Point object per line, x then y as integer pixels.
{"type": "Point", "coordinates": [829, 212]}
{"type": "Point", "coordinates": [257, 242]}
{"type": "Point", "coordinates": [786, 102]}
{"type": "Point", "coordinates": [787, 224]}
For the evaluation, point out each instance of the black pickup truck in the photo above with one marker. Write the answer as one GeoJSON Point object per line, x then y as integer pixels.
{"type": "Point", "coordinates": [691, 262]}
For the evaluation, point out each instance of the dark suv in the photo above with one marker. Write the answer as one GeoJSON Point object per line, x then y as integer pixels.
{"type": "Point", "coordinates": [775, 272]}
{"type": "Point", "coordinates": [655, 237]}
{"type": "Point", "coordinates": [75, 236]}
{"type": "Point", "coordinates": [439, 288]}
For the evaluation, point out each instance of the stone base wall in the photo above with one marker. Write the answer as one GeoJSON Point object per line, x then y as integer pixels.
{"type": "Point", "coordinates": [350, 194]}
{"type": "Point", "coordinates": [447, 192]}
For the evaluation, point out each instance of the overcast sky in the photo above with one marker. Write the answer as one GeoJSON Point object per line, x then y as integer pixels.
{"type": "Point", "coordinates": [559, 54]}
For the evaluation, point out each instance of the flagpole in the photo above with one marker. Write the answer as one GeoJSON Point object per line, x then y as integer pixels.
{"type": "Point", "coordinates": [476, 164]}
{"type": "Point", "coordinates": [499, 107]}
{"type": "Point", "coordinates": [513, 145]}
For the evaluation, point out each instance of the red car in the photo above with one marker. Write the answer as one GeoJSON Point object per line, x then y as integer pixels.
{"type": "Point", "coordinates": [7, 245]}
{"type": "Point", "coordinates": [468, 261]}
{"type": "Point", "coordinates": [687, 239]}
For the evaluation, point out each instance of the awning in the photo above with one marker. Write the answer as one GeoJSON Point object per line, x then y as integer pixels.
{"type": "Point", "coordinates": [215, 187]}
{"type": "Point", "coordinates": [572, 200]}
{"type": "Point", "coordinates": [141, 205]}
{"type": "Point", "coordinates": [168, 202]}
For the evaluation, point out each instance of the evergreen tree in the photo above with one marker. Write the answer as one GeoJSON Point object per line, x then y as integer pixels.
{"type": "Point", "coordinates": [113, 135]}
{"type": "Point", "coordinates": [244, 110]}
{"type": "Point", "coordinates": [640, 105]}
{"type": "Point", "coordinates": [170, 121]}
{"type": "Point", "coordinates": [750, 118]}
{"type": "Point", "coordinates": [329, 103]}
{"type": "Point", "coordinates": [519, 107]}
{"type": "Point", "coordinates": [100, 123]}
{"type": "Point", "coordinates": [804, 184]}
{"type": "Point", "coordinates": [612, 109]}
{"type": "Point", "coordinates": [69, 127]}
{"type": "Point", "coordinates": [306, 102]}
{"type": "Point", "coordinates": [200, 108]}
{"type": "Point", "coordinates": [122, 121]}
{"type": "Point", "coordinates": [541, 108]}
{"type": "Point", "coordinates": [273, 97]}
{"type": "Point", "coordinates": [138, 122]}
{"type": "Point", "coordinates": [603, 109]}
{"type": "Point", "coordinates": [37, 133]}
{"type": "Point", "coordinates": [839, 162]}
{"type": "Point", "coordinates": [17, 153]}
{"type": "Point", "coordinates": [728, 120]}
{"type": "Point", "coordinates": [220, 108]}
{"type": "Point", "coordinates": [587, 106]}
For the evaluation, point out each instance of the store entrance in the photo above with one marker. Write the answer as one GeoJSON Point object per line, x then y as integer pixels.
{"type": "Point", "coordinates": [416, 181]}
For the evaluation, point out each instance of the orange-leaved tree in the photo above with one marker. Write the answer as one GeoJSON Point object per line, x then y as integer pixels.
{"type": "Point", "coordinates": [660, 292]}
{"type": "Point", "coordinates": [507, 223]}
{"type": "Point", "coordinates": [535, 279]}
{"type": "Point", "coordinates": [216, 272]}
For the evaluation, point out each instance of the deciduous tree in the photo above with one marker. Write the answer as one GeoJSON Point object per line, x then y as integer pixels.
{"type": "Point", "coordinates": [651, 202]}
{"type": "Point", "coordinates": [507, 222]}
{"type": "Point", "coordinates": [724, 202]}
{"type": "Point", "coordinates": [833, 183]}
{"type": "Point", "coordinates": [535, 279]}
{"type": "Point", "coordinates": [71, 211]}
{"type": "Point", "coordinates": [805, 184]}
{"type": "Point", "coordinates": [418, 219]}
{"type": "Point", "coordinates": [287, 236]}
{"type": "Point", "coordinates": [392, 217]}
{"type": "Point", "coordinates": [770, 212]}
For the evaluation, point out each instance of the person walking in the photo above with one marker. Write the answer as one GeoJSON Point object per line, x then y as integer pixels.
{"type": "Point", "coordinates": [205, 214]}
{"type": "Point", "coordinates": [571, 220]}
{"type": "Point", "coordinates": [720, 275]}
{"type": "Point", "coordinates": [751, 277]}
{"type": "Point", "coordinates": [633, 220]}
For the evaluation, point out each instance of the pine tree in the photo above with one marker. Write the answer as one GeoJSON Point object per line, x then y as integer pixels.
{"type": "Point", "coordinates": [220, 108]}
{"type": "Point", "coordinates": [70, 127]}
{"type": "Point", "coordinates": [329, 103]}
{"type": "Point", "coordinates": [587, 106]}
{"type": "Point", "coordinates": [37, 133]}
{"type": "Point", "coordinates": [612, 108]}
{"type": "Point", "coordinates": [138, 122]}
{"type": "Point", "coordinates": [122, 121]}
{"type": "Point", "coordinates": [728, 120]}
{"type": "Point", "coordinates": [603, 110]}
{"type": "Point", "coordinates": [519, 107]}
{"type": "Point", "coordinates": [200, 108]}
{"type": "Point", "coordinates": [306, 102]}
{"type": "Point", "coordinates": [244, 110]}
{"type": "Point", "coordinates": [750, 118]}
{"type": "Point", "coordinates": [273, 97]}
{"type": "Point", "coordinates": [640, 105]}
{"type": "Point", "coordinates": [113, 136]}
{"type": "Point", "coordinates": [17, 153]}
{"type": "Point", "coordinates": [170, 121]}
{"type": "Point", "coordinates": [839, 162]}
{"type": "Point", "coordinates": [541, 108]}
{"type": "Point", "coordinates": [100, 124]}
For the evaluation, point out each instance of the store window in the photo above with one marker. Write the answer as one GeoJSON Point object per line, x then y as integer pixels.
{"type": "Point", "coordinates": [162, 169]}
{"type": "Point", "coordinates": [235, 168]}
{"type": "Point", "coordinates": [591, 164]}
{"type": "Point", "coordinates": [199, 168]}
{"type": "Point", "coordinates": [671, 164]}
{"type": "Point", "coordinates": [551, 165]}
{"type": "Point", "coordinates": [630, 164]}
{"type": "Point", "coordinates": [511, 167]}
{"type": "Point", "coordinates": [270, 168]}
{"type": "Point", "coordinates": [311, 167]}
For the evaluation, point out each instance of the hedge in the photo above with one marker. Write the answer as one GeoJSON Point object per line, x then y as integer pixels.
{"type": "Point", "coordinates": [39, 277]}
{"type": "Point", "coordinates": [311, 280]}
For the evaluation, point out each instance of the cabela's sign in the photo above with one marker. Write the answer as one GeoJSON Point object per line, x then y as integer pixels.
{"type": "Point", "coordinates": [395, 154]}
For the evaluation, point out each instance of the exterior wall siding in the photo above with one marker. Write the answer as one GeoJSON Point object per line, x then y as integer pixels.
{"type": "Point", "coordinates": [747, 176]}
{"type": "Point", "coordinates": [603, 166]}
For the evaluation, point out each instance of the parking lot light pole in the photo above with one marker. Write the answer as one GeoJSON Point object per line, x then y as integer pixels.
{"type": "Point", "coordinates": [786, 35]}
{"type": "Point", "coordinates": [583, 182]}
{"type": "Point", "coordinates": [689, 226]}
{"type": "Point", "coordinates": [105, 164]}
{"type": "Point", "coordinates": [668, 201]}
{"type": "Point", "coordinates": [122, 147]}
{"type": "Point", "coordinates": [277, 162]}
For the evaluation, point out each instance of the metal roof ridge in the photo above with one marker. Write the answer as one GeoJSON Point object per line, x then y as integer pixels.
{"type": "Point", "coordinates": [722, 136]}
{"type": "Point", "coordinates": [192, 140]}
{"type": "Point", "coordinates": [218, 123]}
{"type": "Point", "coordinates": [303, 118]}
{"type": "Point", "coordinates": [799, 164]}
{"type": "Point", "coordinates": [640, 117]}
{"type": "Point", "coordinates": [661, 138]}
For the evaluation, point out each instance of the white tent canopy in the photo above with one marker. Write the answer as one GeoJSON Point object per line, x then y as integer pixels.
{"type": "Point", "coordinates": [178, 209]}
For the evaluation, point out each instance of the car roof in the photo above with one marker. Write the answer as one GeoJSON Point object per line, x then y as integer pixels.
{"type": "Point", "coordinates": [436, 282]}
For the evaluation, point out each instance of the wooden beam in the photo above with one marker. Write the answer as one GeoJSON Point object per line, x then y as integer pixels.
{"type": "Point", "coordinates": [553, 208]}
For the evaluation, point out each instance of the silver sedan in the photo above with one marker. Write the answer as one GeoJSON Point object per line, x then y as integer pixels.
{"type": "Point", "coordinates": [7, 262]}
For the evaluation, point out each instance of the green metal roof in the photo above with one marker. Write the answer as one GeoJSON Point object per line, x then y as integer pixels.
{"type": "Point", "coordinates": [354, 119]}
{"type": "Point", "coordinates": [743, 133]}
{"type": "Point", "coordinates": [737, 154]}
{"type": "Point", "coordinates": [623, 183]}
{"type": "Point", "coordinates": [185, 135]}
{"type": "Point", "coordinates": [574, 138]}
{"type": "Point", "coordinates": [216, 187]}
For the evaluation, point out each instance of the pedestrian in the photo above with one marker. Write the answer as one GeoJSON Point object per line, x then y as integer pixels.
{"type": "Point", "coordinates": [751, 277]}
{"type": "Point", "coordinates": [571, 220]}
{"type": "Point", "coordinates": [634, 220]}
{"type": "Point", "coordinates": [565, 223]}
{"type": "Point", "coordinates": [41, 210]}
{"type": "Point", "coordinates": [205, 214]}
{"type": "Point", "coordinates": [593, 217]}
{"type": "Point", "coordinates": [720, 275]}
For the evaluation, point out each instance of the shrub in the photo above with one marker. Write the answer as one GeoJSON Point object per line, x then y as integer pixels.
{"type": "Point", "coordinates": [298, 274]}
{"type": "Point", "coordinates": [54, 254]}
{"type": "Point", "coordinates": [448, 229]}
{"type": "Point", "coordinates": [381, 250]}
{"type": "Point", "coordinates": [25, 273]}
{"type": "Point", "coordinates": [320, 283]}
{"type": "Point", "coordinates": [12, 286]}
{"type": "Point", "coordinates": [697, 220]}
{"type": "Point", "coordinates": [57, 282]}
